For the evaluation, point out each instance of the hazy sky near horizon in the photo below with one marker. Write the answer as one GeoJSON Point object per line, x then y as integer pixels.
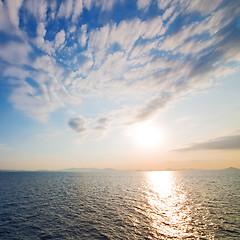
{"type": "Point", "coordinates": [145, 84]}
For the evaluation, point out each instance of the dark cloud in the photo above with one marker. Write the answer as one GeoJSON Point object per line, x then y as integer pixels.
{"type": "Point", "coordinates": [102, 124]}
{"type": "Point", "coordinates": [222, 143]}
{"type": "Point", "coordinates": [152, 107]}
{"type": "Point", "coordinates": [83, 127]}
{"type": "Point", "coordinates": [78, 124]}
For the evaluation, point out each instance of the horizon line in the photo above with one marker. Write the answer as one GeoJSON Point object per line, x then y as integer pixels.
{"type": "Point", "coordinates": [119, 170]}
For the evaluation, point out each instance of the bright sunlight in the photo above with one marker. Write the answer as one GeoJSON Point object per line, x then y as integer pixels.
{"type": "Point", "coordinates": [148, 135]}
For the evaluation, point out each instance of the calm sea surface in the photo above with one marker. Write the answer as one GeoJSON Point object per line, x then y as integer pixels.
{"type": "Point", "coordinates": [120, 205]}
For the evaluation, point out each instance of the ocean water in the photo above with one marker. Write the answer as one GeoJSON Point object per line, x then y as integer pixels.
{"type": "Point", "coordinates": [120, 205]}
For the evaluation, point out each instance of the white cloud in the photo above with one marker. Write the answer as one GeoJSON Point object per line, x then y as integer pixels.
{"type": "Point", "coordinates": [45, 97]}
{"type": "Point", "coordinates": [105, 5]}
{"type": "Point", "coordinates": [168, 12]}
{"type": "Point", "coordinates": [54, 78]}
{"type": "Point", "coordinates": [59, 39]}
{"type": "Point", "coordinates": [24, 99]}
{"type": "Point", "coordinates": [40, 42]}
{"type": "Point", "coordinates": [126, 33]}
{"type": "Point", "coordinates": [65, 10]}
{"type": "Point", "coordinates": [38, 8]}
{"type": "Point", "coordinates": [4, 21]}
{"type": "Point", "coordinates": [78, 7]}
{"type": "Point", "coordinates": [53, 7]}
{"type": "Point", "coordinates": [144, 49]}
{"type": "Point", "coordinates": [83, 36]}
{"type": "Point", "coordinates": [129, 58]}
{"type": "Point", "coordinates": [212, 25]}
{"type": "Point", "coordinates": [48, 64]}
{"type": "Point", "coordinates": [113, 67]}
{"type": "Point", "coordinates": [203, 6]}
{"type": "Point", "coordinates": [41, 31]}
{"type": "Point", "coordinates": [143, 4]}
{"type": "Point", "coordinates": [152, 28]}
{"type": "Point", "coordinates": [172, 77]}
{"type": "Point", "coordinates": [13, 9]}
{"type": "Point", "coordinates": [45, 46]}
{"type": "Point", "coordinates": [88, 4]}
{"type": "Point", "coordinates": [177, 39]}
{"type": "Point", "coordinates": [16, 72]}
{"type": "Point", "coordinates": [15, 52]}
{"type": "Point", "coordinates": [72, 29]}
{"type": "Point", "coordinates": [86, 67]}
{"type": "Point", "coordinates": [224, 71]}
{"type": "Point", "coordinates": [98, 38]}
{"type": "Point", "coordinates": [162, 4]}
{"type": "Point", "coordinates": [46, 91]}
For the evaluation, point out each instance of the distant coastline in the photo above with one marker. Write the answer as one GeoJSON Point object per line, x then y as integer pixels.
{"type": "Point", "coordinates": [230, 169]}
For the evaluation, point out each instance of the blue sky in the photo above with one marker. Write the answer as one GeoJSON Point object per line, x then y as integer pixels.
{"type": "Point", "coordinates": [125, 84]}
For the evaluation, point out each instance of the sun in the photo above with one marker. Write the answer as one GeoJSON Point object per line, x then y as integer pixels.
{"type": "Point", "coordinates": [147, 135]}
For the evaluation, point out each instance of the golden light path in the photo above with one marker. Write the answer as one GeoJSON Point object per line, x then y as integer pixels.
{"type": "Point", "coordinates": [167, 207]}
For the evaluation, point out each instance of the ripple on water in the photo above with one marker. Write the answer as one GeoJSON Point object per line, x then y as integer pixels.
{"type": "Point", "coordinates": [121, 205]}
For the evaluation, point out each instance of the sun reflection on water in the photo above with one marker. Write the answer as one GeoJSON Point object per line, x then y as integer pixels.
{"type": "Point", "coordinates": [168, 209]}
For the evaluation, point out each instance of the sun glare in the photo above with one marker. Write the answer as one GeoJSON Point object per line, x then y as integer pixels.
{"type": "Point", "coordinates": [148, 136]}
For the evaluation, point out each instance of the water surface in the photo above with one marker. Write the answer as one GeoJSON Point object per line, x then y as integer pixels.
{"type": "Point", "coordinates": [120, 205]}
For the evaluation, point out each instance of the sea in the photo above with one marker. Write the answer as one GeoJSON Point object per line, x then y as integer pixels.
{"type": "Point", "coordinates": [120, 205]}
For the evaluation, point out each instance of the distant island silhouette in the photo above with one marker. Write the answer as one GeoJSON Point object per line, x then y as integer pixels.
{"type": "Point", "coordinates": [87, 170]}
{"type": "Point", "coordinates": [230, 169]}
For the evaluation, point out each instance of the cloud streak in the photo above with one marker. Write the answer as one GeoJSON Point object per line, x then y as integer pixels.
{"type": "Point", "coordinates": [153, 61]}
{"type": "Point", "coordinates": [79, 125]}
{"type": "Point", "coordinates": [4, 147]}
{"type": "Point", "coordinates": [231, 142]}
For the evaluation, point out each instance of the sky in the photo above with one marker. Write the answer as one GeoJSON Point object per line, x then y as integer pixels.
{"type": "Point", "coordinates": [124, 84]}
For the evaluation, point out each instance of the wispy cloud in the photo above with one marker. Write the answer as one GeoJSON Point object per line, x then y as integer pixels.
{"type": "Point", "coordinates": [143, 4]}
{"type": "Point", "coordinates": [78, 7]}
{"type": "Point", "coordinates": [162, 4]}
{"type": "Point", "coordinates": [4, 147]}
{"type": "Point", "coordinates": [66, 9]}
{"type": "Point", "coordinates": [152, 107]}
{"type": "Point", "coordinates": [104, 5]}
{"type": "Point", "coordinates": [102, 125]}
{"type": "Point", "coordinates": [231, 142]}
{"type": "Point", "coordinates": [203, 6]}
{"type": "Point", "coordinates": [50, 134]}
{"type": "Point", "coordinates": [40, 91]}
{"type": "Point", "coordinates": [38, 8]}
{"type": "Point", "coordinates": [184, 119]}
{"type": "Point", "coordinates": [13, 9]}
{"type": "Point", "coordinates": [15, 53]}
{"type": "Point", "coordinates": [153, 62]}
{"type": "Point", "coordinates": [59, 39]}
